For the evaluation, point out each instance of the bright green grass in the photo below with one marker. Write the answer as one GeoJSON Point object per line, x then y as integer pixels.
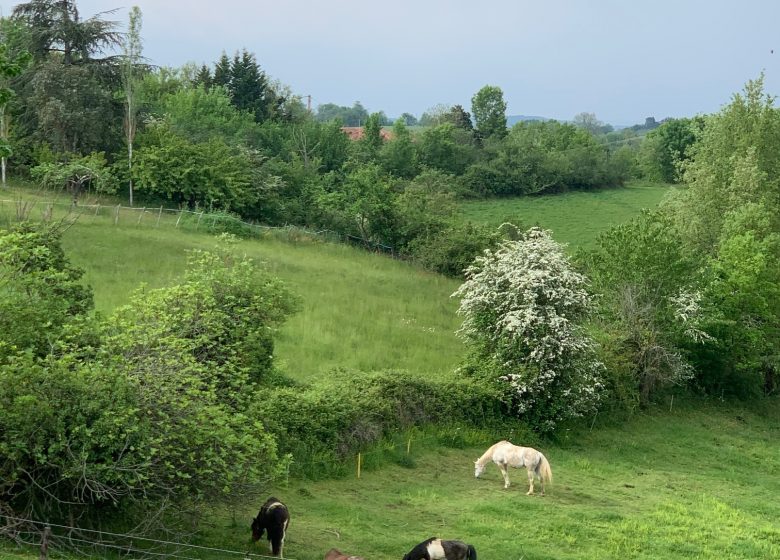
{"type": "Point", "coordinates": [701, 482]}
{"type": "Point", "coordinates": [359, 310]}
{"type": "Point", "coordinates": [575, 218]}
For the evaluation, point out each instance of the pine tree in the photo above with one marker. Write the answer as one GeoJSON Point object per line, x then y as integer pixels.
{"type": "Point", "coordinates": [222, 72]}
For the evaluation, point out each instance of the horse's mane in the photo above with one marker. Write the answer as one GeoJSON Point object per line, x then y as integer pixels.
{"type": "Point", "coordinates": [488, 455]}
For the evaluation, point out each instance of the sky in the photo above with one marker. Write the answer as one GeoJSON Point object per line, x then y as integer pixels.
{"type": "Point", "coordinates": [622, 60]}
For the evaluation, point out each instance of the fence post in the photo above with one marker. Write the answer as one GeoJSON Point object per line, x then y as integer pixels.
{"type": "Point", "coordinates": [408, 445]}
{"type": "Point", "coordinates": [198, 223]}
{"type": "Point", "coordinates": [158, 218]}
{"type": "Point", "coordinates": [116, 214]}
{"type": "Point", "coordinates": [359, 461]}
{"type": "Point", "coordinates": [143, 211]}
{"type": "Point", "coordinates": [97, 209]}
{"type": "Point", "coordinates": [45, 543]}
{"type": "Point", "coordinates": [181, 211]}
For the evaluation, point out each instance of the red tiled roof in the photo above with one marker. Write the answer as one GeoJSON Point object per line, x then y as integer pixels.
{"type": "Point", "coordinates": [356, 132]}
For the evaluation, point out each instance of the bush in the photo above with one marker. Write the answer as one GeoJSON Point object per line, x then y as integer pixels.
{"type": "Point", "coordinates": [350, 410]}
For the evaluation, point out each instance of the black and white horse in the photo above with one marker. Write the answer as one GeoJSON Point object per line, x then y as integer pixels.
{"type": "Point", "coordinates": [274, 518]}
{"type": "Point", "coordinates": [437, 549]}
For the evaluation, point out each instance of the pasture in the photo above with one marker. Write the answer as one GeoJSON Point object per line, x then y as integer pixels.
{"type": "Point", "coordinates": [576, 218]}
{"type": "Point", "coordinates": [697, 482]}
{"type": "Point", "coordinates": [359, 310]}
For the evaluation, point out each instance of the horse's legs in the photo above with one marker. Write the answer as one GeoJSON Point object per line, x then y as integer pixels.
{"type": "Point", "coordinates": [530, 482]}
{"type": "Point", "coordinates": [504, 473]}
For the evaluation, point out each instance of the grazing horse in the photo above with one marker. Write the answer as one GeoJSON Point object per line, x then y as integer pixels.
{"type": "Point", "coordinates": [437, 549]}
{"type": "Point", "coordinates": [336, 554]}
{"type": "Point", "coordinates": [505, 454]}
{"type": "Point", "coordinates": [274, 518]}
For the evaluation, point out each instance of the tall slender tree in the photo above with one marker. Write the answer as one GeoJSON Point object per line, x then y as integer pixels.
{"type": "Point", "coordinates": [130, 61]}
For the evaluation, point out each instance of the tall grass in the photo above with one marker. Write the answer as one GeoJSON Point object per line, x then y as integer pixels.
{"type": "Point", "coordinates": [576, 218]}
{"type": "Point", "coordinates": [360, 310]}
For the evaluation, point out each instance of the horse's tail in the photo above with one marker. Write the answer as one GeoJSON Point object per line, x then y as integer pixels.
{"type": "Point", "coordinates": [543, 469]}
{"type": "Point", "coordinates": [472, 553]}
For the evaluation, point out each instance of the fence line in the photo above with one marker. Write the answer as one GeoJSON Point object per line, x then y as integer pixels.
{"type": "Point", "coordinates": [46, 525]}
{"type": "Point", "coordinates": [201, 213]}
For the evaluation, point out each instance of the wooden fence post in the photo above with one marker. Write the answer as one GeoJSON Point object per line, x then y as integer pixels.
{"type": "Point", "coordinates": [45, 543]}
{"type": "Point", "coordinates": [158, 218]}
{"type": "Point", "coordinates": [198, 223]}
{"type": "Point", "coordinates": [143, 211]}
{"type": "Point", "coordinates": [181, 211]}
{"type": "Point", "coordinates": [116, 214]}
{"type": "Point", "coordinates": [97, 209]}
{"type": "Point", "coordinates": [359, 461]}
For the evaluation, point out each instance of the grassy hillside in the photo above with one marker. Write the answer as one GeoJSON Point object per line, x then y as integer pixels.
{"type": "Point", "coordinates": [699, 482]}
{"type": "Point", "coordinates": [575, 218]}
{"type": "Point", "coordinates": [360, 310]}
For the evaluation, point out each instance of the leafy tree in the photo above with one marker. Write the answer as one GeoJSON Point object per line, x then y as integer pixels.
{"type": "Point", "coordinates": [434, 116]}
{"type": "Point", "coordinates": [459, 118]}
{"type": "Point", "coordinates": [349, 116]}
{"type": "Point", "coordinates": [40, 291]}
{"type": "Point", "coordinates": [57, 28]}
{"type": "Point", "coordinates": [489, 110]}
{"type": "Point", "coordinates": [363, 206]}
{"type": "Point", "coordinates": [11, 64]}
{"type": "Point", "coordinates": [589, 122]}
{"type": "Point", "coordinates": [398, 155]}
{"type": "Point", "coordinates": [446, 148]}
{"type": "Point", "coordinates": [409, 119]}
{"type": "Point", "coordinates": [520, 305]}
{"type": "Point", "coordinates": [730, 214]}
{"type": "Point", "coordinates": [666, 148]}
{"type": "Point", "coordinates": [651, 303]}
{"type": "Point", "coordinates": [371, 142]}
{"type": "Point", "coordinates": [76, 175]}
{"type": "Point", "coordinates": [211, 173]}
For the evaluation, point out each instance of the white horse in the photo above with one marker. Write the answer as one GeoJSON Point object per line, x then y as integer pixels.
{"type": "Point", "coordinates": [505, 454]}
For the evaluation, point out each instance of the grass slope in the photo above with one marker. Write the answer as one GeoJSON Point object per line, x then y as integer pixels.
{"type": "Point", "coordinates": [359, 310]}
{"type": "Point", "coordinates": [575, 218]}
{"type": "Point", "coordinates": [700, 482]}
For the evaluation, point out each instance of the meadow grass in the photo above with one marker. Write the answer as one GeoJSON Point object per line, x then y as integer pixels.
{"type": "Point", "coordinates": [699, 482]}
{"type": "Point", "coordinates": [576, 218]}
{"type": "Point", "coordinates": [359, 310]}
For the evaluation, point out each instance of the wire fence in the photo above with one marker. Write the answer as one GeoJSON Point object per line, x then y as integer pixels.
{"type": "Point", "coordinates": [53, 539]}
{"type": "Point", "coordinates": [192, 220]}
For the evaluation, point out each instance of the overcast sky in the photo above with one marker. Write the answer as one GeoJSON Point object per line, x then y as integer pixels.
{"type": "Point", "coordinates": [623, 60]}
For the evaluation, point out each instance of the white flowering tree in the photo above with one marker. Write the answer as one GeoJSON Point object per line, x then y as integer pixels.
{"type": "Point", "coordinates": [520, 305]}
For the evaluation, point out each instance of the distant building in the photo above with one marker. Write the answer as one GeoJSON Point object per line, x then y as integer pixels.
{"type": "Point", "coordinates": [356, 132]}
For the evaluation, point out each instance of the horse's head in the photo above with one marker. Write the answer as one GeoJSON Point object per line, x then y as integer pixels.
{"type": "Point", "coordinates": [257, 529]}
{"type": "Point", "coordinates": [478, 469]}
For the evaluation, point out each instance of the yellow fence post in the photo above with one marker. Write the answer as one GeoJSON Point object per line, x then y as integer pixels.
{"type": "Point", "coordinates": [359, 461]}
{"type": "Point", "coordinates": [408, 445]}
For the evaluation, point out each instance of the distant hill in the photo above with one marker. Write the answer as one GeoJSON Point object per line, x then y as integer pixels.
{"type": "Point", "coordinates": [514, 119]}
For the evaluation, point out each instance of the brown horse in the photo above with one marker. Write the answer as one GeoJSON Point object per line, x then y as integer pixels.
{"type": "Point", "coordinates": [336, 554]}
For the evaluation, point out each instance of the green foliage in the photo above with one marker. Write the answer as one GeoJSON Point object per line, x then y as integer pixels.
{"type": "Point", "coordinates": [398, 156]}
{"type": "Point", "coordinates": [88, 172]}
{"type": "Point", "coordinates": [40, 291]}
{"type": "Point", "coordinates": [730, 214]}
{"type": "Point", "coordinates": [667, 148]}
{"type": "Point", "coordinates": [522, 306]}
{"type": "Point", "coordinates": [446, 148]}
{"type": "Point", "coordinates": [348, 411]}
{"type": "Point", "coordinates": [212, 173]}
{"type": "Point", "coordinates": [200, 115]}
{"type": "Point", "coordinates": [451, 249]}
{"type": "Point", "coordinates": [539, 157]}
{"type": "Point", "coordinates": [650, 301]}
{"type": "Point", "coordinates": [348, 116]}
{"type": "Point", "coordinates": [146, 413]}
{"type": "Point", "coordinates": [489, 110]}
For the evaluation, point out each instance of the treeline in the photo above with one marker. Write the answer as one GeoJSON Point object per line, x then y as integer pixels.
{"type": "Point", "coordinates": [228, 137]}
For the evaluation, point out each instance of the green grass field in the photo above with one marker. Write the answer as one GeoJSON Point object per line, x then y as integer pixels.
{"type": "Point", "coordinates": [700, 482]}
{"type": "Point", "coordinates": [359, 310]}
{"type": "Point", "coordinates": [575, 218]}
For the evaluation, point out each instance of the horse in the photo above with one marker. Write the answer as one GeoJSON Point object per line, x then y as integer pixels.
{"type": "Point", "coordinates": [274, 518]}
{"type": "Point", "coordinates": [505, 454]}
{"type": "Point", "coordinates": [336, 554]}
{"type": "Point", "coordinates": [437, 549]}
